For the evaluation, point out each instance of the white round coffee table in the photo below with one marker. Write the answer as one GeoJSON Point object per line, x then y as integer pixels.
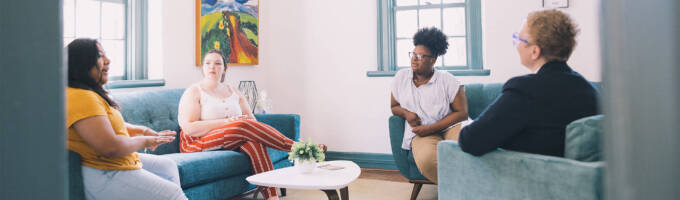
{"type": "Point", "coordinates": [321, 179]}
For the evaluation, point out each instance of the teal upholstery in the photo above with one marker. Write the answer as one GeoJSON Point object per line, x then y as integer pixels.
{"type": "Point", "coordinates": [402, 158]}
{"type": "Point", "coordinates": [583, 140]}
{"type": "Point", "coordinates": [203, 175]}
{"type": "Point", "coordinates": [479, 96]}
{"type": "Point", "coordinates": [505, 174]}
{"type": "Point", "coordinates": [204, 167]}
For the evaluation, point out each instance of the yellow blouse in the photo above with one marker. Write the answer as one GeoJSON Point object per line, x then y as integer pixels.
{"type": "Point", "coordinates": [81, 104]}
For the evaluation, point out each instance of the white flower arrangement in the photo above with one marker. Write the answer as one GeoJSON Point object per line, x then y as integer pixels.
{"type": "Point", "coordinates": [306, 151]}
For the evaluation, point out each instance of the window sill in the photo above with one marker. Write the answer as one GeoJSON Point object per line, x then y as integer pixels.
{"type": "Point", "coordinates": [135, 83]}
{"type": "Point", "coordinates": [482, 72]}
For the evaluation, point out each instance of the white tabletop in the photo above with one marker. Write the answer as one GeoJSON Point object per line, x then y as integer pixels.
{"type": "Point", "coordinates": [322, 179]}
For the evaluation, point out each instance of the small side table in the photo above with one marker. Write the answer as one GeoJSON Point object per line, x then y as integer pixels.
{"type": "Point", "coordinates": [325, 180]}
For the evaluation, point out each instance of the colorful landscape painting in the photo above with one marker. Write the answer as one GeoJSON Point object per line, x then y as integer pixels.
{"type": "Point", "coordinates": [230, 26]}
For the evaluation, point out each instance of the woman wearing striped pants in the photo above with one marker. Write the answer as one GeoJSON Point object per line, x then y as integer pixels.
{"type": "Point", "coordinates": [214, 115]}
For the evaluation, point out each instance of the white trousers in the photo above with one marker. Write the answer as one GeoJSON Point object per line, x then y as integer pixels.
{"type": "Point", "coordinates": [158, 179]}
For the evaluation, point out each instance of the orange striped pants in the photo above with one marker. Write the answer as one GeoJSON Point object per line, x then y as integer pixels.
{"type": "Point", "coordinates": [250, 136]}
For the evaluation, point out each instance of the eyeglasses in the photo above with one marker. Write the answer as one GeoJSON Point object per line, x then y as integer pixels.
{"type": "Point", "coordinates": [418, 56]}
{"type": "Point", "coordinates": [516, 39]}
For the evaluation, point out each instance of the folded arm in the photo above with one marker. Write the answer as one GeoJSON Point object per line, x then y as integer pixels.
{"type": "Point", "coordinates": [189, 115]}
{"type": "Point", "coordinates": [411, 118]}
{"type": "Point", "coordinates": [458, 114]}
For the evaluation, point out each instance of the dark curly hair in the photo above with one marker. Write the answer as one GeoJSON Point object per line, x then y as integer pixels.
{"type": "Point", "coordinates": [433, 39]}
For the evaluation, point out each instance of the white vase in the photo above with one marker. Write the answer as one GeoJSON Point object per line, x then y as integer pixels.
{"type": "Point", "coordinates": [305, 166]}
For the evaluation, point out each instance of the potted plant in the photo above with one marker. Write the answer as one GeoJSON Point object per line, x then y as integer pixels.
{"type": "Point", "coordinates": [305, 155]}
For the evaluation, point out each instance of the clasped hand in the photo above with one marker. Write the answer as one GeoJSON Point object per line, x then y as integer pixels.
{"type": "Point", "coordinates": [415, 123]}
{"type": "Point", "coordinates": [240, 117]}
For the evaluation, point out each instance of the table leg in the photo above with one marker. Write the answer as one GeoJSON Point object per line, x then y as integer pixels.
{"type": "Point", "coordinates": [344, 193]}
{"type": "Point", "coordinates": [257, 192]}
{"type": "Point", "coordinates": [332, 194]}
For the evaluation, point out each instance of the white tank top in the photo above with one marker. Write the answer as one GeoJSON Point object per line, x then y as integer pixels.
{"type": "Point", "coordinates": [219, 108]}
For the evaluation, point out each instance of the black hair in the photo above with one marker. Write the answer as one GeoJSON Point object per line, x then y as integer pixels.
{"type": "Point", "coordinates": [433, 39]}
{"type": "Point", "coordinates": [82, 57]}
{"type": "Point", "coordinates": [224, 61]}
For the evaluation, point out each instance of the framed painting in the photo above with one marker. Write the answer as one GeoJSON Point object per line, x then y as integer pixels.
{"type": "Point", "coordinates": [230, 26]}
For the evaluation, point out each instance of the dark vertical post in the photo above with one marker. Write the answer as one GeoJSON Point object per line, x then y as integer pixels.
{"type": "Point", "coordinates": [640, 48]}
{"type": "Point", "coordinates": [32, 80]}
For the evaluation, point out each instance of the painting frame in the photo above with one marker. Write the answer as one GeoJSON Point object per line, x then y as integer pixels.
{"type": "Point", "coordinates": [233, 29]}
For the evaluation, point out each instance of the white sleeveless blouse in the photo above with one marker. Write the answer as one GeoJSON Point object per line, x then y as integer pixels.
{"type": "Point", "coordinates": [219, 108]}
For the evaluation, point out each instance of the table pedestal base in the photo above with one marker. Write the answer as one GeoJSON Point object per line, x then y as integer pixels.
{"type": "Point", "coordinates": [333, 195]}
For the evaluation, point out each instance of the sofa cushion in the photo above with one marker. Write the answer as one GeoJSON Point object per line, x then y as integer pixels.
{"type": "Point", "coordinates": [277, 155]}
{"type": "Point", "coordinates": [583, 141]}
{"type": "Point", "coordinates": [203, 167]}
{"type": "Point", "coordinates": [156, 109]}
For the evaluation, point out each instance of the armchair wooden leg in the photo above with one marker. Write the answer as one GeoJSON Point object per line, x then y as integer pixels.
{"type": "Point", "coordinates": [416, 190]}
{"type": "Point", "coordinates": [417, 185]}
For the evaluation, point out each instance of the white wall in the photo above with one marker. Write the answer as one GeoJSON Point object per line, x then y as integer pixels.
{"type": "Point", "coordinates": [314, 56]}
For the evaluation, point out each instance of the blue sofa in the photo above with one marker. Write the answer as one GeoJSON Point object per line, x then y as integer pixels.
{"type": "Point", "coordinates": [203, 175]}
{"type": "Point", "coordinates": [506, 174]}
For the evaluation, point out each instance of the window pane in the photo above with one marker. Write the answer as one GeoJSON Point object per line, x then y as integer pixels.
{"type": "Point", "coordinates": [454, 21]}
{"type": "Point", "coordinates": [454, 1]}
{"type": "Point", "coordinates": [429, 2]}
{"type": "Point", "coordinates": [115, 51]}
{"type": "Point", "coordinates": [155, 42]}
{"type": "Point", "coordinates": [113, 20]}
{"type": "Point", "coordinates": [407, 23]}
{"type": "Point", "coordinates": [407, 2]}
{"type": "Point", "coordinates": [69, 18]}
{"type": "Point", "coordinates": [87, 18]}
{"type": "Point", "coordinates": [456, 54]}
{"type": "Point", "coordinates": [430, 18]}
{"type": "Point", "coordinates": [439, 62]}
{"type": "Point", "coordinates": [403, 47]}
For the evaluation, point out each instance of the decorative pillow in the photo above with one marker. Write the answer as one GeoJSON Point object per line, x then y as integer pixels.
{"type": "Point", "coordinates": [583, 141]}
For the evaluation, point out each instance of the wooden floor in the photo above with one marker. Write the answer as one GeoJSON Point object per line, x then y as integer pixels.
{"type": "Point", "coordinates": [382, 174]}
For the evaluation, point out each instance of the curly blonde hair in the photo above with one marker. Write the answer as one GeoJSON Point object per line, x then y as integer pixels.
{"type": "Point", "coordinates": [554, 32]}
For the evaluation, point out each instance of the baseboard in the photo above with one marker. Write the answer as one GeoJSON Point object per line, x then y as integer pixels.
{"type": "Point", "coordinates": [364, 160]}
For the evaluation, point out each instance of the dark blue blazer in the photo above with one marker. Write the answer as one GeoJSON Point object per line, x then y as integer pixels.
{"type": "Point", "coordinates": [532, 113]}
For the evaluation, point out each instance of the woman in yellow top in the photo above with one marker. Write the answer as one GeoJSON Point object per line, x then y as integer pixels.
{"type": "Point", "coordinates": [96, 130]}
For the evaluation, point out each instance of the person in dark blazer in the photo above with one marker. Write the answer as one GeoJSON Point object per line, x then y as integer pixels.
{"type": "Point", "coordinates": [533, 110]}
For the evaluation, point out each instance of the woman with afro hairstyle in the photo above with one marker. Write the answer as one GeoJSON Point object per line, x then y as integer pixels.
{"type": "Point", "coordinates": [432, 101]}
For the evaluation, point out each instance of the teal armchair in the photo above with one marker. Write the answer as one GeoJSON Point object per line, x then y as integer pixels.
{"type": "Point", "coordinates": [505, 174]}
{"type": "Point", "coordinates": [404, 158]}
{"type": "Point", "coordinates": [478, 97]}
